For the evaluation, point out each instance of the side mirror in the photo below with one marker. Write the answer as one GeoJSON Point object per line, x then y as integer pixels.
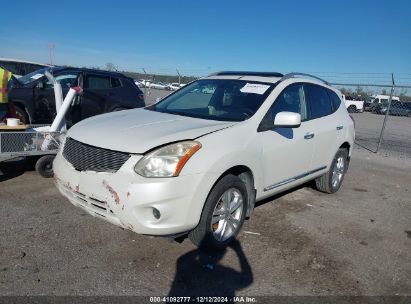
{"type": "Point", "coordinates": [287, 120]}
{"type": "Point", "coordinates": [40, 85]}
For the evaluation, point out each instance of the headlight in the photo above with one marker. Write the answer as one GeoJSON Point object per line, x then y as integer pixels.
{"type": "Point", "coordinates": [167, 161]}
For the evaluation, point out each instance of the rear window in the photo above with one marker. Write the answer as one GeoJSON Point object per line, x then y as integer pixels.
{"type": "Point", "coordinates": [319, 101]}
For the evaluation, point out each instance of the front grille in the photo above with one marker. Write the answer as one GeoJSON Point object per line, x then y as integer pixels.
{"type": "Point", "coordinates": [88, 158]}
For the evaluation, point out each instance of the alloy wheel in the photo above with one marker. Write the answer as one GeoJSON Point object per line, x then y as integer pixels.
{"type": "Point", "coordinates": [338, 172]}
{"type": "Point", "coordinates": [226, 217]}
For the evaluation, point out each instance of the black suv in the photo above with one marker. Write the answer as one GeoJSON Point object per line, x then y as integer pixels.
{"type": "Point", "coordinates": [33, 95]}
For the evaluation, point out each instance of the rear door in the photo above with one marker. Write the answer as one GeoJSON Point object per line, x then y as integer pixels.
{"type": "Point", "coordinates": [324, 125]}
{"type": "Point", "coordinates": [96, 90]}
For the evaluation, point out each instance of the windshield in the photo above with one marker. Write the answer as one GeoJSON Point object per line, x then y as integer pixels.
{"type": "Point", "coordinates": [216, 99]}
{"type": "Point", "coordinates": [32, 76]}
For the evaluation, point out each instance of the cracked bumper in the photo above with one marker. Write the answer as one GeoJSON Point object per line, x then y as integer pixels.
{"type": "Point", "coordinates": [126, 199]}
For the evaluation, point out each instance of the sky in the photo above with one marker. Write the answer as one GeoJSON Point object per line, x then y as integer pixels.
{"type": "Point", "coordinates": [347, 39]}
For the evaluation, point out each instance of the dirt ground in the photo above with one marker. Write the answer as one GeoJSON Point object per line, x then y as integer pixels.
{"type": "Point", "coordinates": [355, 242]}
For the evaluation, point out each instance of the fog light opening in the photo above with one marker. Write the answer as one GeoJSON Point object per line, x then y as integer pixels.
{"type": "Point", "coordinates": [156, 213]}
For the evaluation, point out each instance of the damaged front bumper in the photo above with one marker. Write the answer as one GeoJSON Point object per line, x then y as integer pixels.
{"type": "Point", "coordinates": [129, 200]}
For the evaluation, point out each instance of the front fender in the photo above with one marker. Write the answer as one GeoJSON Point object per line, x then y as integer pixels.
{"type": "Point", "coordinates": [222, 151]}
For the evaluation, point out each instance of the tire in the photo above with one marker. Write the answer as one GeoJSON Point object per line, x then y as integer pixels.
{"type": "Point", "coordinates": [44, 166]}
{"type": "Point", "coordinates": [21, 114]}
{"type": "Point", "coordinates": [352, 109]}
{"type": "Point", "coordinates": [331, 181]}
{"type": "Point", "coordinates": [215, 236]}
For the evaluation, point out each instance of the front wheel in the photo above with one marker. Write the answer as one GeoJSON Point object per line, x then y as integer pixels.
{"type": "Point", "coordinates": [331, 181]}
{"type": "Point", "coordinates": [223, 214]}
{"type": "Point", "coordinates": [21, 114]}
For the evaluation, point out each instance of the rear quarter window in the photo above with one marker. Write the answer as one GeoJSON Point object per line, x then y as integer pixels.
{"type": "Point", "coordinates": [335, 100]}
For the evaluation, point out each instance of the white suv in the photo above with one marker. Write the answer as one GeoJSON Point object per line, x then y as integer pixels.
{"type": "Point", "coordinates": [197, 161]}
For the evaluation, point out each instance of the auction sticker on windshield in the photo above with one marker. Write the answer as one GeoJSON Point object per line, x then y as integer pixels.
{"type": "Point", "coordinates": [254, 88]}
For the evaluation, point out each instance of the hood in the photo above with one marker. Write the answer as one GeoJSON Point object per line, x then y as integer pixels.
{"type": "Point", "coordinates": [139, 130]}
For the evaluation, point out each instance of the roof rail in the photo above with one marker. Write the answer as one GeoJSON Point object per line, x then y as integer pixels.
{"type": "Point", "coordinates": [245, 73]}
{"type": "Point", "coordinates": [292, 75]}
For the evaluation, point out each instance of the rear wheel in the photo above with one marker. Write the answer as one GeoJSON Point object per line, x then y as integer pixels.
{"type": "Point", "coordinates": [331, 181]}
{"type": "Point", "coordinates": [352, 109]}
{"type": "Point", "coordinates": [44, 166]}
{"type": "Point", "coordinates": [223, 214]}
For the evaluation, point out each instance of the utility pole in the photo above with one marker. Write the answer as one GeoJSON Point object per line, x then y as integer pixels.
{"type": "Point", "coordinates": [51, 46]}
{"type": "Point", "coordinates": [386, 113]}
{"type": "Point", "coordinates": [179, 77]}
{"type": "Point", "coordinates": [145, 82]}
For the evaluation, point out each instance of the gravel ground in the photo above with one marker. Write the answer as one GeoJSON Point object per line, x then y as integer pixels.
{"type": "Point", "coordinates": [355, 242]}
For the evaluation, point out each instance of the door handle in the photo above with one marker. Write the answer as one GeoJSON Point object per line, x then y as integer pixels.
{"type": "Point", "coordinates": [340, 127]}
{"type": "Point", "coordinates": [308, 135]}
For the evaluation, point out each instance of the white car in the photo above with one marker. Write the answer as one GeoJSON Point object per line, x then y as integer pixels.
{"type": "Point", "coordinates": [159, 86]}
{"type": "Point", "coordinates": [196, 163]}
{"type": "Point", "coordinates": [174, 86]}
{"type": "Point", "coordinates": [139, 84]}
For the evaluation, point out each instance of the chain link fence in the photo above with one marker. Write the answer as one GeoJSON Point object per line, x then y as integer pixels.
{"type": "Point", "coordinates": [382, 115]}
{"type": "Point", "coordinates": [381, 110]}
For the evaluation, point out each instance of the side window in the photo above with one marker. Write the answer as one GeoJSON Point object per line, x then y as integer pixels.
{"type": "Point", "coordinates": [292, 99]}
{"type": "Point", "coordinates": [115, 82]}
{"type": "Point", "coordinates": [335, 100]}
{"type": "Point", "coordinates": [97, 82]}
{"type": "Point", "coordinates": [318, 101]}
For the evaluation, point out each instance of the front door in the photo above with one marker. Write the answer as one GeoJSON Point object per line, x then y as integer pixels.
{"type": "Point", "coordinates": [287, 152]}
{"type": "Point", "coordinates": [45, 102]}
